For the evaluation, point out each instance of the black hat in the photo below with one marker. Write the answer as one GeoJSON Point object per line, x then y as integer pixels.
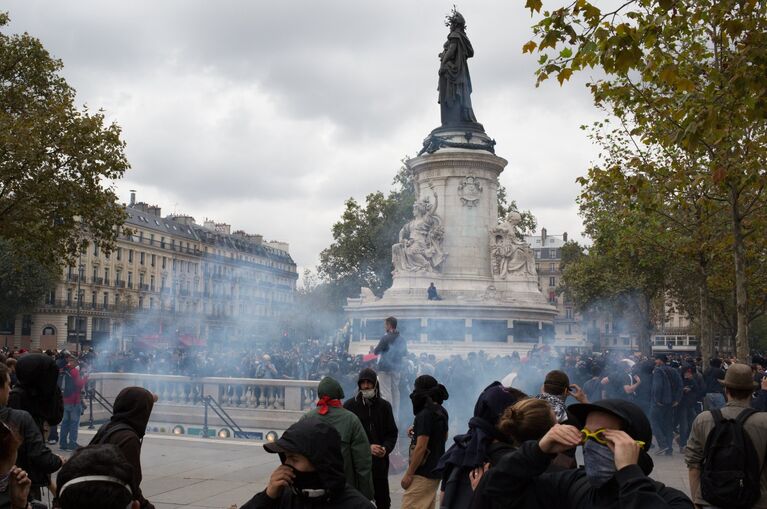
{"type": "Point", "coordinates": [635, 422]}
{"type": "Point", "coordinates": [369, 375]}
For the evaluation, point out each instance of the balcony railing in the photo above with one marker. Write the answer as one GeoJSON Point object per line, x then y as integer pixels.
{"type": "Point", "coordinates": [244, 393]}
{"type": "Point", "coordinates": [119, 284]}
{"type": "Point", "coordinates": [144, 287]}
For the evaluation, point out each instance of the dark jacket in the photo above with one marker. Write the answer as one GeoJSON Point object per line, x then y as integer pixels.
{"type": "Point", "coordinates": [321, 444]}
{"type": "Point", "coordinates": [377, 419]}
{"type": "Point", "coordinates": [519, 482]}
{"type": "Point", "coordinates": [666, 385]}
{"type": "Point", "coordinates": [392, 349]}
{"type": "Point", "coordinates": [34, 456]}
{"type": "Point", "coordinates": [132, 409]}
{"type": "Point", "coordinates": [37, 391]}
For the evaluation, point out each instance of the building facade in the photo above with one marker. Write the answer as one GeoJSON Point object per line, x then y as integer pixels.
{"type": "Point", "coordinates": [171, 281]}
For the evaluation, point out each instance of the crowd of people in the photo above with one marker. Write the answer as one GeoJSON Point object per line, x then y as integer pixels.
{"type": "Point", "coordinates": [516, 447]}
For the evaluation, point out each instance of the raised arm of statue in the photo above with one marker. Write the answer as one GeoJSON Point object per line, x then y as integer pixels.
{"type": "Point", "coordinates": [436, 199]}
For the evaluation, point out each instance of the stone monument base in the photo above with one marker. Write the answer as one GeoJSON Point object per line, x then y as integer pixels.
{"type": "Point", "coordinates": [451, 326]}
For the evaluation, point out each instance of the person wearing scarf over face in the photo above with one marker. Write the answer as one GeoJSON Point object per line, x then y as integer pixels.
{"type": "Point", "coordinates": [376, 416]}
{"type": "Point", "coordinates": [429, 434]}
{"type": "Point", "coordinates": [615, 435]}
{"type": "Point", "coordinates": [355, 447]}
{"type": "Point", "coordinates": [472, 449]}
{"type": "Point", "coordinates": [126, 428]}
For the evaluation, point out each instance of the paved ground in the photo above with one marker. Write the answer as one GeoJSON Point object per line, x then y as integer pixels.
{"type": "Point", "coordinates": [194, 473]}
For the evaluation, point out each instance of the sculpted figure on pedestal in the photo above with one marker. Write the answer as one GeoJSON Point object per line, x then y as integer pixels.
{"type": "Point", "coordinates": [454, 80]}
{"type": "Point", "coordinates": [420, 240]}
{"type": "Point", "coordinates": [510, 256]}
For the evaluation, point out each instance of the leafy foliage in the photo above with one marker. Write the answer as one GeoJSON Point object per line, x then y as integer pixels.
{"type": "Point", "coordinates": [686, 82]}
{"type": "Point", "coordinates": [54, 159]}
{"type": "Point", "coordinates": [23, 281]}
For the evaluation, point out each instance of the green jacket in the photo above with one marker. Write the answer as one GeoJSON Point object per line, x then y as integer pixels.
{"type": "Point", "coordinates": [355, 448]}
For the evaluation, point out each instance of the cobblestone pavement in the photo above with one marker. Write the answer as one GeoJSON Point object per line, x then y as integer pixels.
{"type": "Point", "coordinates": [194, 473]}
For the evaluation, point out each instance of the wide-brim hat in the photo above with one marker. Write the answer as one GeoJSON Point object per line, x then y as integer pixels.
{"type": "Point", "coordinates": [739, 377]}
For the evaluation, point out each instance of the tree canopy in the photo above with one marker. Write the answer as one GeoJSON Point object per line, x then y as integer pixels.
{"type": "Point", "coordinates": [685, 80]}
{"type": "Point", "coordinates": [56, 161]}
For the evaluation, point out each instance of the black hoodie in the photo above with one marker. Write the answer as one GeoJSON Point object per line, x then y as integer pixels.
{"type": "Point", "coordinates": [378, 420]}
{"type": "Point", "coordinates": [37, 390]}
{"type": "Point", "coordinates": [126, 428]}
{"type": "Point", "coordinates": [321, 444]}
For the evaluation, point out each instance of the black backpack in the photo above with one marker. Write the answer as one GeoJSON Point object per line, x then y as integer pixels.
{"type": "Point", "coordinates": [66, 383]}
{"type": "Point", "coordinates": [731, 472]}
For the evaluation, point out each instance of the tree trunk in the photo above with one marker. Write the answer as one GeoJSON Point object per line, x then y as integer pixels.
{"type": "Point", "coordinates": [742, 350]}
{"type": "Point", "coordinates": [645, 327]}
{"type": "Point", "coordinates": [706, 341]}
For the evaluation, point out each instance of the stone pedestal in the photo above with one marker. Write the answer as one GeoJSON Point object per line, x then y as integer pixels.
{"type": "Point", "coordinates": [481, 307]}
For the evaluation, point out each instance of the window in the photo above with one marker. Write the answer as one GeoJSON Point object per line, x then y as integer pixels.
{"type": "Point", "coordinates": [141, 257]}
{"type": "Point", "coordinates": [175, 265]}
{"type": "Point", "coordinates": [154, 258]}
{"type": "Point", "coordinates": [141, 279]}
{"type": "Point", "coordinates": [106, 300]}
{"type": "Point", "coordinates": [569, 313]}
{"type": "Point", "coordinates": [162, 283]}
{"type": "Point", "coordinates": [173, 244]}
{"type": "Point", "coordinates": [95, 249]}
{"type": "Point", "coordinates": [93, 299]}
{"type": "Point", "coordinates": [141, 237]}
{"type": "Point", "coordinates": [164, 262]}
{"type": "Point", "coordinates": [162, 242]}
{"type": "Point", "coordinates": [106, 276]}
{"type": "Point", "coordinates": [119, 254]}
{"type": "Point", "coordinates": [552, 267]}
{"type": "Point", "coordinates": [141, 302]}
{"type": "Point", "coordinates": [130, 279]}
{"type": "Point", "coordinates": [130, 255]}
{"type": "Point", "coordinates": [117, 299]}
{"type": "Point", "coordinates": [151, 302]}
{"type": "Point", "coordinates": [95, 273]}
{"type": "Point", "coordinates": [118, 273]}
{"type": "Point", "coordinates": [569, 329]}
{"type": "Point", "coordinates": [552, 281]}
{"type": "Point", "coordinates": [51, 297]}
{"type": "Point", "coordinates": [151, 237]}
{"type": "Point", "coordinates": [151, 283]}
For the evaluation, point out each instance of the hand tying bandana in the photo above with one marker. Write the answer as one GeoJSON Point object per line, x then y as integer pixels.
{"type": "Point", "coordinates": [326, 402]}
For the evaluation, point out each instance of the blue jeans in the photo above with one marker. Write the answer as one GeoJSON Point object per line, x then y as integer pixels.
{"type": "Point", "coordinates": [69, 425]}
{"type": "Point", "coordinates": [713, 401]}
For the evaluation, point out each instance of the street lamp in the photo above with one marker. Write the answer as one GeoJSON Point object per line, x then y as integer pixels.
{"type": "Point", "coordinates": [81, 272]}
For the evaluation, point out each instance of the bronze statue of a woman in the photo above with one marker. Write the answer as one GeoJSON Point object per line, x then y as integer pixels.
{"type": "Point", "coordinates": [454, 80]}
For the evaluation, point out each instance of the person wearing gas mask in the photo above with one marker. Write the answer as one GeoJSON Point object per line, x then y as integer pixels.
{"type": "Point", "coordinates": [377, 418]}
{"type": "Point", "coordinates": [312, 471]}
{"type": "Point", "coordinates": [615, 437]}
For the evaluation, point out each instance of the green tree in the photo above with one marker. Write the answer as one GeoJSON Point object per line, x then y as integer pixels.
{"type": "Point", "coordinates": [687, 76]}
{"type": "Point", "coordinates": [23, 281]}
{"type": "Point", "coordinates": [55, 160]}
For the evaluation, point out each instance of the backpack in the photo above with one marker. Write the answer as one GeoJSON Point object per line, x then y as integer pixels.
{"type": "Point", "coordinates": [731, 473]}
{"type": "Point", "coordinates": [66, 384]}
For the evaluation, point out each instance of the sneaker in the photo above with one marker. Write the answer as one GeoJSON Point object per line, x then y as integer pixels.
{"type": "Point", "coordinates": [661, 452]}
{"type": "Point", "coordinates": [53, 441]}
{"type": "Point", "coordinates": [64, 447]}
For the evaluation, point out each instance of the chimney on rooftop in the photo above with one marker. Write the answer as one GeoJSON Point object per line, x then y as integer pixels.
{"type": "Point", "coordinates": [132, 197]}
{"type": "Point", "coordinates": [564, 236]}
{"type": "Point", "coordinates": [543, 236]}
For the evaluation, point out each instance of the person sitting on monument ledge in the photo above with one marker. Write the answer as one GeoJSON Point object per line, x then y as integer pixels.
{"type": "Point", "coordinates": [432, 292]}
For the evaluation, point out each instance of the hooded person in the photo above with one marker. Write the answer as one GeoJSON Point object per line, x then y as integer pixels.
{"type": "Point", "coordinates": [377, 418]}
{"type": "Point", "coordinates": [33, 455]}
{"type": "Point", "coordinates": [473, 448]}
{"type": "Point", "coordinates": [428, 437]}
{"type": "Point", "coordinates": [37, 390]}
{"type": "Point", "coordinates": [355, 447]}
{"type": "Point", "coordinates": [615, 437]}
{"type": "Point", "coordinates": [126, 429]}
{"type": "Point", "coordinates": [312, 471]}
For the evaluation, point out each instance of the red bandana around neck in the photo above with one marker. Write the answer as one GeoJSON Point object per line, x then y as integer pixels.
{"type": "Point", "coordinates": [326, 402]}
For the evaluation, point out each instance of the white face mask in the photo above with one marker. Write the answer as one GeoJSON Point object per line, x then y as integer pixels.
{"type": "Point", "coordinates": [368, 393]}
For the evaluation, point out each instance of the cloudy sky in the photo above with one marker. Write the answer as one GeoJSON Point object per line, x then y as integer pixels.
{"type": "Point", "coordinates": [268, 115]}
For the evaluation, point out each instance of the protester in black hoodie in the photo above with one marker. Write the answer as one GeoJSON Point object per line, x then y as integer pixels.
{"type": "Point", "coordinates": [126, 429]}
{"type": "Point", "coordinates": [377, 418]}
{"type": "Point", "coordinates": [615, 476]}
{"type": "Point", "coordinates": [472, 449]}
{"type": "Point", "coordinates": [37, 390]}
{"type": "Point", "coordinates": [312, 471]}
{"type": "Point", "coordinates": [33, 455]}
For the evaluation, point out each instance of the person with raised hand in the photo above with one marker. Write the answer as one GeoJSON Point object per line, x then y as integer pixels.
{"type": "Point", "coordinates": [615, 437]}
